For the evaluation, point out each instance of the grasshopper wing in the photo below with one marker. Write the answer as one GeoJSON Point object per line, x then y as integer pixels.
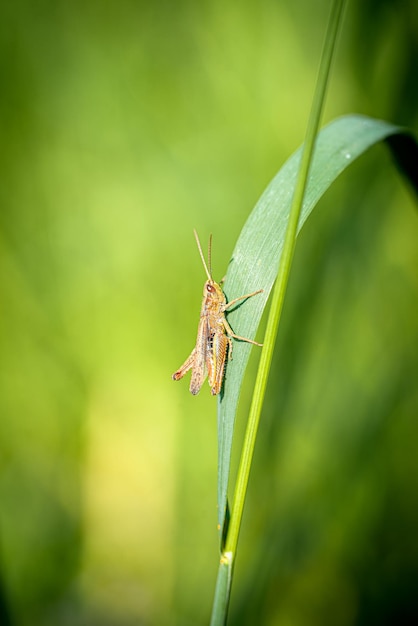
{"type": "Point", "coordinates": [199, 372]}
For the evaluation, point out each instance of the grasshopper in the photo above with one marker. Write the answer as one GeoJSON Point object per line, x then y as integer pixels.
{"type": "Point", "coordinates": [214, 334]}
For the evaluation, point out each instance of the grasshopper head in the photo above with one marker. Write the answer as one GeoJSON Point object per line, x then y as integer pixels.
{"type": "Point", "coordinates": [213, 297]}
{"type": "Point", "coordinates": [213, 290]}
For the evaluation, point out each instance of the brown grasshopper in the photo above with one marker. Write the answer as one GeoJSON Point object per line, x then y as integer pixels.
{"type": "Point", "coordinates": [214, 334]}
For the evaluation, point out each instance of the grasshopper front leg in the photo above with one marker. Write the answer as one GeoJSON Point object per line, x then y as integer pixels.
{"type": "Point", "coordinates": [235, 300]}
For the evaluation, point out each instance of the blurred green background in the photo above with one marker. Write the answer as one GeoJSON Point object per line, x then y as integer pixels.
{"type": "Point", "coordinates": [124, 125]}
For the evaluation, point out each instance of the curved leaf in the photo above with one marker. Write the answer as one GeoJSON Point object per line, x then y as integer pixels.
{"type": "Point", "coordinates": [255, 260]}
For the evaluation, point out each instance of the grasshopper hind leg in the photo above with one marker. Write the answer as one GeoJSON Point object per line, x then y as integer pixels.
{"type": "Point", "coordinates": [187, 365]}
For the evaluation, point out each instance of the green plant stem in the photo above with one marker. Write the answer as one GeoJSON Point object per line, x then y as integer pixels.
{"type": "Point", "coordinates": [282, 280]}
{"type": "Point", "coordinates": [229, 552]}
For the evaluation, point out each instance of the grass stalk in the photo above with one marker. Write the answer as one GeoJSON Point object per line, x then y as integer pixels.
{"type": "Point", "coordinates": [223, 587]}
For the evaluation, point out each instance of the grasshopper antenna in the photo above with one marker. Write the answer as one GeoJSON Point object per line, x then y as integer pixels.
{"type": "Point", "coordinates": [208, 273]}
{"type": "Point", "coordinates": [210, 254]}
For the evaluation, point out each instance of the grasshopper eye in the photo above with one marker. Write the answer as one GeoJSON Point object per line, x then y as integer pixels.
{"type": "Point", "coordinates": [210, 288]}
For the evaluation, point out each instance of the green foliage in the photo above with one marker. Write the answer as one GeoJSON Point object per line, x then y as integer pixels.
{"type": "Point", "coordinates": [260, 246]}
{"type": "Point", "coordinates": [124, 125]}
{"type": "Point", "coordinates": [257, 254]}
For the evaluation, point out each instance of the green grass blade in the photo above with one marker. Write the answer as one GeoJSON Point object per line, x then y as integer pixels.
{"type": "Point", "coordinates": [231, 532]}
{"type": "Point", "coordinates": [222, 591]}
{"type": "Point", "coordinates": [257, 254]}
